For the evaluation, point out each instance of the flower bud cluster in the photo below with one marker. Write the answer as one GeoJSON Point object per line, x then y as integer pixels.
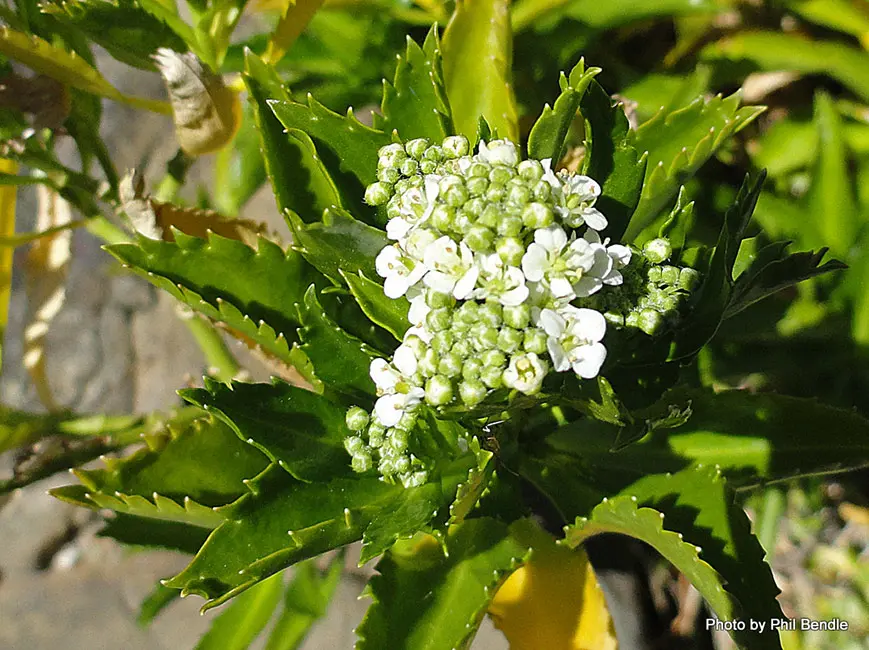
{"type": "Point", "coordinates": [652, 294]}
{"type": "Point", "coordinates": [490, 251]}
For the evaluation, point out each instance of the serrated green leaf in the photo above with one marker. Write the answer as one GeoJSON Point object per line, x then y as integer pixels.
{"type": "Point", "coordinates": [415, 103]}
{"type": "Point", "coordinates": [300, 181]}
{"type": "Point", "coordinates": [547, 136]}
{"type": "Point", "coordinates": [149, 533]}
{"type": "Point", "coordinates": [426, 601]}
{"type": "Point", "coordinates": [339, 359]}
{"type": "Point", "coordinates": [293, 21]}
{"type": "Point", "coordinates": [339, 244]}
{"type": "Point", "coordinates": [473, 486]}
{"type": "Point", "coordinates": [123, 28]}
{"type": "Point", "coordinates": [832, 200]}
{"type": "Point", "coordinates": [697, 503]}
{"type": "Point", "coordinates": [389, 313]}
{"type": "Point", "coordinates": [478, 55]}
{"type": "Point", "coordinates": [155, 602]}
{"type": "Point", "coordinates": [203, 460]}
{"type": "Point", "coordinates": [67, 67]}
{"type": "Point", "coordinates": [678, 143]}
{"type": "Point", "coordinates": [715, 293]}
{"type": "Point", "coordinates": [623, 516]}
{"type": "Point", "coordinates": [794, 52]}
{"type": "Point", "coordinates": [253, 292]}
{"type": "Point", "coordinates": [281, 522]}
{"type": "Point", "coordinates": [306, 600]}
{"type": "Point", "coordinates": [159, 507]}
{"type": "Point", "coordinates": [352, 145]}
{"type": "Point", "coordinates": [299, 430]}
{"type": "Point", "coordinates": [240, 623]}
{"type": "Point", "coordinates": [612, 161]}
{"type": "Point", "coordinates": [656, 91]}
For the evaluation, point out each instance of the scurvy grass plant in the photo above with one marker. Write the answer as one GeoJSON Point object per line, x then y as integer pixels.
{"type": "Point", "coordinates": [495, 332]}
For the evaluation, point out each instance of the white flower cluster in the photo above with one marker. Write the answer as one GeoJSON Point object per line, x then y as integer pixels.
{"type": "Point", "coordinates": [490, 251]}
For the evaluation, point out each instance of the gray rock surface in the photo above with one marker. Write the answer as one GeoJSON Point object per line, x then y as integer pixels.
{"type": "Point", "coordinates": [116, 346]}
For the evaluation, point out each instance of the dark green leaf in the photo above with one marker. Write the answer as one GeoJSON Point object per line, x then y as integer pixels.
{"type": "Point", "coordinates": [389, 313]}
{"type": "Point", "coordinates": [240, 623]}
{"type": "Point", "coordinates": [415, 103]}
{"type": "Point", "coordinates": [613, 161]}
{"type": "Point", "coordinates": [423, 599]}
{"type": "Point", "coordinates": [478, 53]}
{"type": "Point", "coordinates": [301, 431]}
{"type": "Point", "coordinates": [154, 533]}
{"type": "Point", "coordinates": [547, 136]}
{"type": "Point", "coordinates": [299, 179]}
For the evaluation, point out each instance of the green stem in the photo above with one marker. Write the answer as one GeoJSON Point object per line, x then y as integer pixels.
{"type": "Point", "coordinates": [176, 173]}
{"type": "Point", "coordinates": [222, 365]}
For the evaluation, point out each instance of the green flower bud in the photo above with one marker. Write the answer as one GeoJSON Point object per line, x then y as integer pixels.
{"type": "Point", "coordinates": [437, 300]}
{"type": "Point", "coordinates": [389, 175]}
{"type": "Point", "coordinates": [510, 226]}
{"type": "Point", "coordinates": [537, 215]}
{"type": "Point", "coordinates": [500, 175]}
{"type": "Point", "coordinates": [393, 208]}
{"type": "Point", "coordinates": [654, 274]}
{"type": "Point", "coordinates": [488, 339]}
{"type": "Point", "coordinates": [434, 153]}
{"type": "Point", "coordinates": [442, 342]}
{"type": "Point", "coordinates": [670, 275]}
{"type": "Point", "coordinates": [428, 167]}
{"type": "Point", "coordinates": [518, 316]}
{"type": "Point", "coordinates": [416, 148]}
{"type": "Point", "coordinates": [491, 377]}
{"type": "Point", "coordinates": [468, 312]}
{"type": "Point", "coordinates": [530, 170]}
{"type": "Point", "coordinates": [491, 313]}
{"type": "Point", "coordinates": [478, 170]}
{"type": "Point", "coordinates": [518, 194]}
{"type": "Point", "coordinates": [475, 206]}
{"type": "Point", "coordinates": [688, 279]}
{"type": "Point", "coordinates": [490, 215]}
{"type": "Point", "coordinates": [542, 191]}
{"type": "Point", "coordinates": [534, 341]}
{"type": "Point", "coordinates": [450, 365]}
{"type": "Point", "coordinates": [472, 392]}
{"type": "Point", "coordinates": [509, 339]}
{"type": "Point", "coordinates": [442, 217]}
{"type": "Point", "coordinates": [361, 462]}
{"type": "Point", "coordinates": [456, 196]}
{"type": "Point", "coordinates": [463, 348]}
{"type": "Point", "coordinates": [495, 193]}
{"type": "Point", "coordinates": [354, 445]}
{"type": "Point", "coordinates": [409, 167]}
{"type": "Point", "coordinates": [402, 465]}
{"type": "Point", "coordinates": [459, 328]}
{"type": "Point", "coordinates": [438, 391]}
{"type": "Point", "coordinates": [479, 238]}
{"type": "Point", "coordinates": [390, 150]}
{"type": "Point", "coordinates": [357, 419]}
{"type": "Point", "coordinates": [455, 146]}
{"type": "Point", "coordinates": [471, 368]}
{"type": "Point", "coordinates": [439, 319]}
{"type": "Point", "coordinates": [650, 321]}
{"type": "Point", "coordinates": [494, 359]}
{"type": "Point", "coordinates": [463, 222]}
{"type": "Point", "coordinates": [477, 186]}
{"type": "Point", "coordinates": [378, 193]}
{"type": "Point", "coordinates": [510, 250]}
{"type": "Point", "coordinates": [428, 363]}
{"type": "Point", "coordinates": [375, 437]}
{"type": "Point", "coordinates": [657, 250]}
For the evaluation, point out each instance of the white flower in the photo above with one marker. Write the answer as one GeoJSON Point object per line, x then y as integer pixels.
{"type": "Point", "coordinates": [525, 373]}
{"type": "Point", "coordinates": [498, 151]}
{"type": "Point", "coordinates": [400, 271]}
{"type": "Point", "coordinates": [504, 283]}
{"type": "Point", "coordinates": [419, 309]}
{"type": "Point", "coordinates": [451, 268]}
{"type": "Point", "coordinates": [574, 337]}
{"type": "Point", "coordinates": [405, 360]}
{"type": "Point", "coordinates": [390, 408]}
{"type": "Point", "coordinates": [559, 266]}
{"type": "Point", "coordinates": [415, 206]}
{"type": "Point", "coordinates": [586, 190]}
{"type": "Point", "coordinates": [384, 375]}
{"type": "Point", "coordinates": [607, 263]}
{"type": "Point", "coordinates": [417, 241]}
{"type": "Point", "coordinates": [549, 176]}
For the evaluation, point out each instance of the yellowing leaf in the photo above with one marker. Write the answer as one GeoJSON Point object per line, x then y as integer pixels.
{"type": "Point", "coordinates": [7, 229]}
{"type": "Point", "coordinates": [206, 112]}
{"type": "Point", "coordinates": [66, 67]}
{"type": "Point", "coordinates": [295, 18]}
{"type": "Point", "coordinates": [477, 58]}
{"type": "Point", "coordinates": [553, 601]}
{"type": "Point", "coordinates": [47, 264]}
